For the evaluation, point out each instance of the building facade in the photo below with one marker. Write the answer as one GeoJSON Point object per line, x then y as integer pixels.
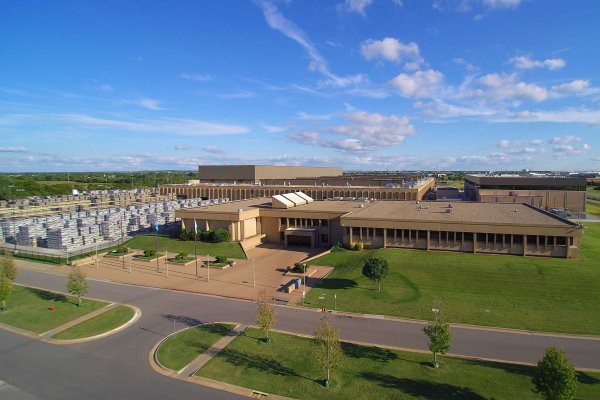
{"type": "Point", "coordinates": [516, 229]}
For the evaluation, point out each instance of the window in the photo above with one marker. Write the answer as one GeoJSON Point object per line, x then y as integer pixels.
{"type": "Point", "coordinates": [422, 234]}
{"type": "Point", "coordinates": [324, 238]}
{"type": "Point", "coordinates": [283, 221]}
{"type": "Point", "coordinates": [517, 239]}
{"type": "Point", "coordinates": [560, 241]}
{"type": "Point", "coordinates": [355, 232]}
{"type": "Point", "coordinates": [531, 239]}
{"type": "Point", "coordinates": [390, 234]}
{"type": "Point", "coordinates": [434, 235]}
{"type": "Point", "coordinates": [281, 236]}
{"type": "Point", "coordinates": [379, 232]}
{"type": "Point", "coordinates": [324, 222]}
{"type": "Point", "coordinates": [468, 236]}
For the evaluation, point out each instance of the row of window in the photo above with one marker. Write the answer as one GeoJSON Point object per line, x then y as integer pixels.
{"type": "Point", "coordinates": [449, 236]}
{"type": "Point", "coordinates": [302, 222]}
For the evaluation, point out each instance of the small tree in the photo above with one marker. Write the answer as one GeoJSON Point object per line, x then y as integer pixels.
{"type": "Point", "coordinates": [149, 252]}
{"type": "Point", "coordinates": [265, 315]}
{"type": "Point", "coordinates": [376, 269]}
{"type": "Point", "coordinates": [5, 290]}
{"type": "Point", "coordinates": [186, 234]}
{"type": "Point", "coordinates": [439, 338]}
{"type": "Point", "coordinates": [555, 377]}
{"type": "Point", "coordinates": [329, 353]}
{"type": "Point", "coordinates": [7, 266]}
{"type": "Point", "coordinates": [77, 285]}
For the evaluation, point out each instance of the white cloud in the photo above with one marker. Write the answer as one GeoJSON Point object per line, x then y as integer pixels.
{"type": "Point", "coordinates": [357, 6]}
{"type": "Point", "coordinates": [469, 5]}
{"type": "Point", "coordinates": [182, 147]}
{"type": "Point", "coordinates": [197, 77]}
{"type": "Point", "coordinates": [273, 128]}
{"type": "Point", "coordinates": [315, 117]}
{"type": "Point", "coordinates": [578, 115]}
{"type": "Point", "coordinates": [464, 63]}
{"type": "Point", "coordinates": [419, 84]}
{"type": "Point", "coordinates": [502, 3]}
{"type": "Point", "coordinates": [507, 87]}
{"type": "Point", "coordinates": [576, 86]}
{"type": "Point", "coordinates": [306, 137]}
{"type": "Point", "coordinates": [503, 143]}
{"type": "Point", "coordinates": [13, 149]}
{"type": "Point", "coordinates": [536, 142]}
{"type": "Point", "coordinates": [524, 62]}
{"type": "Point", "coordinates": [150, 104]}
{"type": "Point", "coordinates": [564, 139]}
{"type": "Point", "coordinates": [213, 150]}
{"type": "Point", "coordinates": [567, 149]}
{"type": "Point", "coordinates": [391, 49]}
{"type": "Point", "coordinates": [239, 94]}
{"type": "Point", "coordinates": [279, 22]}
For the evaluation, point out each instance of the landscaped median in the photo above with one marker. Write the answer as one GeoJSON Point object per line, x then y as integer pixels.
{"type": "Point", "coordinates": [103, 323]}
{"type": "Point", "coordinates": [45, 313]}
{"type": "Point", "coordinates": [286, 366]}
{"type": "Point", "coordinates": [182, 348]}
{"type": "Point", "coordinates": [540, 294]}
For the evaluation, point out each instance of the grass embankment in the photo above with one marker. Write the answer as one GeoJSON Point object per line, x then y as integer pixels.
{"type": "Point", "coordinates": [182, 348]}
{"type": "Point", "coordinates": [102, 323]}
{"type": "Point", "coordinates": [287, 367]}
{"type": "Point", "coordinates": [29, 309]}
{"type": "Point", "coordinates": [593, 207]}
{"type": "Point", "coordinates": [226, 249]}
{"type": "Point", "coordinates": [542, 294]}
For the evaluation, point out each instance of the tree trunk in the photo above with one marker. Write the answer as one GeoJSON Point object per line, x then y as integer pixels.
{"type": "Point", "coordinates": [435, 364]}
{"type": "Point", "coordinates": [379, 286]}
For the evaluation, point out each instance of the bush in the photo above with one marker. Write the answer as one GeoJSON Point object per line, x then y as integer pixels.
{"type": "Point", "coordinates": [149, 253]}
{"type": "Point", "coordinates": [209, 236]}
{"type": "Point", "coordinates": [181, 256]}
{"type": "Point", "coordinates": [221, 235]}
{"type": "Point", "coordinates": [221, 259]}
{"type": "Point", "coordinates": [186, 234]}
{"type": "Point", "coordinates": [121, 250]}
{"type": "Point", "coordinates": [337, 247]}
{"type": "Point", "coordinates": [358, 246]}
{"type": "Point", "coordinates": [300, 268]}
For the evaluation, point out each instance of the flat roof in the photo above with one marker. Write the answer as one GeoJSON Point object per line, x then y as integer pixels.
{"type": "Point", "coordinates": [461, 212]}
{"type": "Point", "coordinates": [530, 180]}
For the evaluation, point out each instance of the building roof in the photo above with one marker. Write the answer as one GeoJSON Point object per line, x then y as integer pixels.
{"type": "Point", "coordinates": [460, 212]}
{"type": "Point", "coordinates": [528, 180]}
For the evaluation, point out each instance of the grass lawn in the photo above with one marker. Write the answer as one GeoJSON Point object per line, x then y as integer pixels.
{"type": "Point", "coordinates": [104, 322]}
{"type": "Point", "coordinates": [227, 249]}
{"type": "Point", "coordinates": [181, 349]}
{"type": "Point", "coordinates": [148, 258]}
{"type": "Point", "coordinates": [180, 260]}
{"type": "Point", "coordinates": [542, 294]}
{"type": "Point", "coordinates": [29, 309]}
{"type": "Point", "coordinates": [286, 367]}
{"type": "Point", "coordinates": [593, 207]}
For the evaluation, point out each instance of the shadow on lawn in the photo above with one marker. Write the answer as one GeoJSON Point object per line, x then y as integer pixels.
{"type": "Point", "coordinates": [422, 388]}
{"type": "Point", "coordinates": [372, 353]}
{"type": "Point", "coordinates": [44, 295]}
{"type": "Point", "coordinates": [337, 283]}
{"type": "Point", "coordinates": [586, 379]}
{"type": "Point", "coordinates": [263, 364]}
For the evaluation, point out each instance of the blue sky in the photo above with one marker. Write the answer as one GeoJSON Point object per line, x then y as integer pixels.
{"type": "Point", "coordinates": [363, 84]}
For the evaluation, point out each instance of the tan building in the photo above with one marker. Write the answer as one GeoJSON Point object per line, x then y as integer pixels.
{"type": "Point", "coordinates": [547, 192]}
{"type": "Point", "coordinates": [294, 219]}
{"type": "Point", "coordinates": [254, 174]}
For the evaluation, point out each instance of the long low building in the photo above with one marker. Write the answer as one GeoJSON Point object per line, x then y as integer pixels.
{"type": "Point", "coordinates": [296, 220]}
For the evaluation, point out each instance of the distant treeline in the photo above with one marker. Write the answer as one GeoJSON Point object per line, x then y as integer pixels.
{"type": "Point", "coordinates": [16, 185]}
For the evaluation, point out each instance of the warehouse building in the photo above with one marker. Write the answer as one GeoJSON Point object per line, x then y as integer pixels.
{"type": "Point", "coordinates": [292, 219]}
{"type": "Point", "coordinates": [543, 191]}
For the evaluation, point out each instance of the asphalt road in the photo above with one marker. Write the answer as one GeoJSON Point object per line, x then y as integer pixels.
{"type": "Point", "coordinates": [117, 367]}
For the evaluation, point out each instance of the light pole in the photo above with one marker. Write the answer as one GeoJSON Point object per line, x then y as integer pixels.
{"type": "Point", "coordinates": [96, 255]}
{"type": "Point", "coordinates": [253, 275]}
{"type": "Point", "coordinates": [436, 313]}
{"type": "Point", "coordinates": [207, 269]}
{"type": "Point", "coordinates": [196, 245]}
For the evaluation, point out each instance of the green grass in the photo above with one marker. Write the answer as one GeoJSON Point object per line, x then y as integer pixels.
{"type": "Point", "coordinates": [286, 367]}
{"type": "Point", "coordinates": [29, 309]}
{"type": "Point", "coordinates": [542, 294]}
{"type": "Point", "coordinates": [592, 207]}
{"type": "Point", "coordinates": [181, 349]}
{"type": "Point", "coordinates": [104, 322]}
{"type": "Point", "coordinates": [227, 249]}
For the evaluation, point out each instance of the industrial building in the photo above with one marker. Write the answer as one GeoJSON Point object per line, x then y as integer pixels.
{"type": "Point", "coordinates": [254, 174]}
{"type": "Point", "coordinates": [542, 191]}
{"type": "Point", "coordinates": [296, 219]}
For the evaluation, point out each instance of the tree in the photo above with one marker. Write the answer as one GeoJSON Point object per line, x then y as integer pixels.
{"type": "Point", "coordinates": [265, 315]}
{"type": "Point", "coordinates": [7, 266]}
{"type": "Point", "coordinates": [329, 353]}
{"type": "Point", "coordinates": [186, 234]}
{"type": "Point", "coordinates": [439, 338]}
{"type": "Point", "coordinates": [555, 377]}
{"type": "Point", "coordinates": [376, 269]}
{"type": "Point", "coordinates": [5, 290]}
{"type": "Point", "coordinates": [77, 285]}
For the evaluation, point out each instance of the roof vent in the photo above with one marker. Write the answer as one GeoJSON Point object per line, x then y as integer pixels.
{"type": "Point", "coordinates": [361, 205]}
{"type": "Point", "coordinates": [516, 210]}
{"type": "Point", "coordinates": [240, 210]}
{"type": "Point", "coordinates": [448, 210]}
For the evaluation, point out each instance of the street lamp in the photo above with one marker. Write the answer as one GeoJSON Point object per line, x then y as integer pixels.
{"type": "Point", "coordinates": [436, 313]}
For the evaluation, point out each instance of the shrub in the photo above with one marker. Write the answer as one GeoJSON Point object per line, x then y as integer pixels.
{"type": "Point", "coordinates": [337, 247]}
{"type": "Point", "coordinates": [221, 259]}
{"type": "Point", "coordinates": [181, 256]}
{"type": "Point", "coordinates": [358, 246]}
{"type": "Point", "coordinates": [121, 250]}
{"type": "Point", "coordinates": [300, 268]}
{"type": "Point", "coordinates": [149, 253]}
{"type": "Point", "coordinates": [221, 235]}
{"type": "Point", "coordinates": [186, 234]}
{"type": "Point", "coordinates": [209, 236]}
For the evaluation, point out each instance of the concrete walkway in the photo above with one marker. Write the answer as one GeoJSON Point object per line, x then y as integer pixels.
{"type": "Point", "coordinates": [212, 351]}
{"type": "Point", "coordinates": [52, 332]}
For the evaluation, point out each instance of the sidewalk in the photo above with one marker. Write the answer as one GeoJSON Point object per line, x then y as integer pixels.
{"type": "Point", "coordinates": [242, 281]}
{"type": "Point", "coordinates": [212, 351]}
{"type": "Point", "coordinates": [52, 332]}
